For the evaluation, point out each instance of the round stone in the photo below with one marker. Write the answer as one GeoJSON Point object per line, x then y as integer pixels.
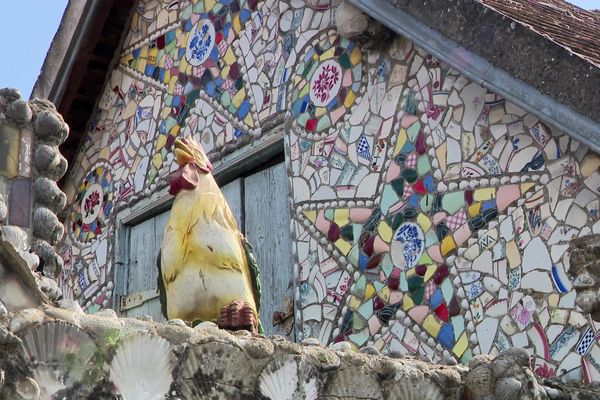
{"type": "Point", "coordinates": [48, 126]}
{"type": "Point", "coordinates": [369, 350]}
{"type": "Point", "coordinates": [19, 111]}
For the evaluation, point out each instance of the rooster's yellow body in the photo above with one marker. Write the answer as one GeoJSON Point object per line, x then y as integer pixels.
{"type": "Point", "coordinates": [205, 262]}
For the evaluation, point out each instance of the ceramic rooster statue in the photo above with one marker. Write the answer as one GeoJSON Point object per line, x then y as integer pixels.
{"type": "Point", "coordinates": [206, 268]}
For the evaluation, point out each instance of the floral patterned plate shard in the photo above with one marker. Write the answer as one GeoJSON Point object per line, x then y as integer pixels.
{"type": "Point", "coordinates": [142, 367]}
{"type": "Point", "coordinates": [407, 246]}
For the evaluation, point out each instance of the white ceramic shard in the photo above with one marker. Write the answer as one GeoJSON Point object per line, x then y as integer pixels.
{"type": "Point", "coordinates": [279, 380]}
{"type": "Point", "coordinates": [142, 367]}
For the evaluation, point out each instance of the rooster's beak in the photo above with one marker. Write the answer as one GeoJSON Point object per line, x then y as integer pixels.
{"type": "Point", "coordinates": [183, 154]}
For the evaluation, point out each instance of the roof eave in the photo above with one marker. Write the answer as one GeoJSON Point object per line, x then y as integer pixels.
{"type": "Point", "coordinates": [481, 70]}
{"type": "Point", "coordinates": [65, 45]}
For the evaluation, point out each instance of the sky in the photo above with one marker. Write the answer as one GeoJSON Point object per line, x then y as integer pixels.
{"type": "Point", "coordinates": [28, 27]}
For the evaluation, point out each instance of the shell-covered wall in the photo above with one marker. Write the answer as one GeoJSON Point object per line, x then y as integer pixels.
{"type": "Point", "coordinates": [66, 354]}
{"type": "Point", "coordinates": [430, 216]}
{"type": "Point", "coordinates": [30, 165]}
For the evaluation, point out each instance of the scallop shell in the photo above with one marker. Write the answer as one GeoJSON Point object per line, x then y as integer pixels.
{"type": "Point", "coordinates": [142, 367]}
{"type": "Point", "coordinates": [202, 372]}
{"type": "Point", "coordinates": [50, 380]}
{"type": "Point", "coordinates": [311, 390]}
{"type": "Point", "coordinates": [52, 343]}
{"type": "Point", "coordinates": [59, 354]}
{"type": "Point", "coordinates": [27, 389]}
{"type": "Point", "coordinates": [507, 389]}
{"type": "Point", "coordinates": [479, 381]}
{"type": "Point", "coordinates": [279, 380]}
{"type": "Point", "coordinates": [412, 384]}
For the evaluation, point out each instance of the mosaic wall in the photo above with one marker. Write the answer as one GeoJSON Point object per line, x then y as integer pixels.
{"type": "Point", "coordinates": [431, 216]}
{"type": "Point", "coordinates": [215, 70]}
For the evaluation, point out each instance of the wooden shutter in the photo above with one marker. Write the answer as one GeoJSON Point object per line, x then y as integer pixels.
{"type": "Point", "coordinates": [144, 245]}
{"type": "Point", "coordinates": [259, 203]}
{"type": "Point", "coordinates": [267, 224]}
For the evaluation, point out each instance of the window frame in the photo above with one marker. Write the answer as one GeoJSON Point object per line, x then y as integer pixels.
{"type": "Point", "coordinates": [262, 153]}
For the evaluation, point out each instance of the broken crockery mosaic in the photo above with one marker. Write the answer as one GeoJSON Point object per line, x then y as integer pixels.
{"type": "Point", "coordinates": [444, 234]}
{"type": "Point", "coordinates": [430, 216]}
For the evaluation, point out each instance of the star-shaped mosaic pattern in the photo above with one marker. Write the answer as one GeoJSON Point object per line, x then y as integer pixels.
{"type": "Point", "coordinates": [399, 246]}
{"type": "Point", "coordinates": [401, 287]}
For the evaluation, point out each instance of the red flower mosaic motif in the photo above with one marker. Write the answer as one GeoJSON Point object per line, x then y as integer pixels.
{"type": "Point", "coordinates": [90, 202]}
{"type": "Point", "coordinates": [327, 79]}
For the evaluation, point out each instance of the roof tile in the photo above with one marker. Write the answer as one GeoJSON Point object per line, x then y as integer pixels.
{"type": "Point", "coordinates": [569, 26]}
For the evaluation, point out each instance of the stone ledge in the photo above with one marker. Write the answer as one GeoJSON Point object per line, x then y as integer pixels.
{"type": "Point", "coordinates": [174, 361]}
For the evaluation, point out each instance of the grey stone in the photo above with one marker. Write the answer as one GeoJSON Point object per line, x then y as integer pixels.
{"type": "Point", "coordinates": [16, 236]}
{"type": "Point", "coordinates": [311, 342]}
{"type": "Point", "coordinates": [25, 318]}
{"type": "Point", "coordinates": [70, 305]}
{"type": "Point", "coordinates": [32, 260]}
{"type": "Point", "coordinates": [53, 264]}
{"type": "Point", "coordinates": [47, 226]}
{"type": "Point", "coordinates": [353, 24]}
{"type": "Point", "coordinates": [206, 325]}
{"type": "Point", "coordinates": [585, 267]}
{"type": "Point", "coordinates": [554, 394]}
{"type": "Point", "coordinates": [587, 300]}
{"type": "Point", "coordinates": [7, 337]}
{"type": "Point", "coordinates": [50, 127]}
{"type": "Point", "coordinates": [50, 288]}
{"type": "Point", "coordinates": [10, 94]}
{"type": "Point", "coordinates": [3, 209]}
{"type": "Point", "coordinates": [49, 162]}
{"type": "Point", "coordinates": [449, 361]}
{"type": "Point", "coordinates": [176, 321]}
{"type": "Point", "coordinates": [517, 355]}
{"type": "Point", "coordinates": [479, 360]}
{"type": "Point", "coordinates": [258, 348]}
{"type": "Point", "coordinates": [242, 333]}
{"type": "Point", "coordinates": [584, 280]}
{"type": "Point", "coordinates": [350, 21]}
{"type": "Point", "coordinates": [61, 314]}
{"type": "Point", "coordinates": [106, 313]}
{"type": "Point", "coordinates": [47, 193]}
{"type": "Point", "coordinates": [19, 111]}
{"type": "Point", "coordinates": [222, 365]}
{"type": "Point", "coordinates": [369, 350]}
{"type": "Point", "coordinates": [393, 354]}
